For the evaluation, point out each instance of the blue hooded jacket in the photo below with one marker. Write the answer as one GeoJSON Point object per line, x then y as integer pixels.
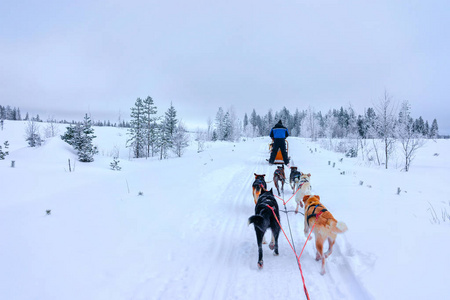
{"type": "Point", "coordinates": [279, 131]}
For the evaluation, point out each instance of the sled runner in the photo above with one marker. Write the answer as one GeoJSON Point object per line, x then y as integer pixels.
{"type": "Point", "coordinates": [279, 156]}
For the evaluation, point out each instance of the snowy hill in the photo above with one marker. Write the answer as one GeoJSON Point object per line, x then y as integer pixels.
{"type": "Point", "coordinates": [177, 228]}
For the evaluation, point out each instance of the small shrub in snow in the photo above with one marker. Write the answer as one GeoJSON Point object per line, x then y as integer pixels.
{"type": "Point", "coordinates": [351, 153]}
{"type": "Point", "coordinates": [32, 134]}
{"type": "Point", "coordinates": [115, 165]}
{"type": "Point", "coordinates": [341, 147]}
{"type": "Point", "coordinates": [4, 153]}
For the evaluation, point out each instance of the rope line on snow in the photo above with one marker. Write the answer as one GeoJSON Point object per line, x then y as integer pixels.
{"type": "Point", "coordinates": [290, 197]}
{"type": "Point", "coordinates": [293, 249]}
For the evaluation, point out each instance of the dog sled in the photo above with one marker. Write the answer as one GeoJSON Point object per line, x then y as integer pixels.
{"type": "Point", "coordinates": [279, 156]}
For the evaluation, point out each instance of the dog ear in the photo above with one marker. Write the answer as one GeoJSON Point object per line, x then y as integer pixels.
{"type": "Point", "coordinates": [317, 196]}
{"type": "Point", "coordinates": [309, 174]}
{"type": "Point", "coordinates": [263, 175]}
{"type": "Point", "coordinates": [306, 197]}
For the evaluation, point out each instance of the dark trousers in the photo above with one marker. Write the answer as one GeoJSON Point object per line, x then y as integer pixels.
{"type": "Point", "coordinates": [279, 144]}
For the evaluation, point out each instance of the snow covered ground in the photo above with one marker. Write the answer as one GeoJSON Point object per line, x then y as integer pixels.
{"type": "Point", "coordinates": [186, 235]}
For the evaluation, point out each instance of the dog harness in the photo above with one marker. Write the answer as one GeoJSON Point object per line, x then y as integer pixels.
{"type": "Point", "coordinates": [314, 212]}
{"type": "Point", "coordinates": [260, 182]}
{"type": "Point", "coordinates": [279, 173]}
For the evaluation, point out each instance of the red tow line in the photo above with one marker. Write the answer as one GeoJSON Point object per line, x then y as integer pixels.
{"type": "Point", "coordinates": [284, 203]}
{"type": "Point", "coordinates": [295, 253]}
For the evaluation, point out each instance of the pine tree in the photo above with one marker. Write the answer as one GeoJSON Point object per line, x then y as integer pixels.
{"type": "Point", "coordinates": [426, 129]}
{"type": "Point", "coordinates": [296, 129]}
{"type": "Point", "coordinates": [137, 129]}
{"type": "Point", "coordinates": [220, 124]}
{"type": "Point", "coordinates": [254, 121]}
{"type": "Point", "coordinates": [164, 140]}
{"type": "Point", "coordinates": [419, 125]}
{"type": "Point", "coordinates": [149, 115]}
{"type": "Point", "coordinates": [2, 113]}
{"type": "Point", "coordinates": [170, 123]}
{"type": "Point", "coordinates": [434, 130]}
{"type": "Point", "coordinates": [69, 135]}
{"type": "Point", "coordinates": [214, 137]}
{"type": "Point", "coordinates": [85, 149]}
{"type": "Point", "coordinates": [245, 121]}
{"type": "Point", "coordinates": [227, 129]}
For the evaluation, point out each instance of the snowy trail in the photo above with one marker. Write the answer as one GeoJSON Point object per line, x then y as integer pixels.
{"type": "Point", "coordinates": [229, 267]}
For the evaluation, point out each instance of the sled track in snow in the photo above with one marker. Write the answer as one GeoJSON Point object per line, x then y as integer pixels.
{"type": "Point", "coordinates": [216, 284]}
{"type": "Point", "coordinates": [228, 265]}
{"type": "Point", "coordinates": [352, 285]}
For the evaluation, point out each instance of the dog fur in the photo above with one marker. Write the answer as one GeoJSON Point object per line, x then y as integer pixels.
{"type": "Point", "coordinates": [279, 175]}
{"type": "Point", "coordinates": [326, 226]}
{"type": "Point", "coordinates": [259, 185]}
{"type": "Point", "coordinates": [305, 189]}
{"type": "Point", "coordinates": [264, 219]}
{"type": "Point", "coordinates": [294, 179]}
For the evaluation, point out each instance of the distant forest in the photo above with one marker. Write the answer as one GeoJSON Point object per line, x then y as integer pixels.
{"type": "Point", "coordinates": [341, 122]}
{"type": "Point", "coordinates": [13, 113]}
{"type": "Point", "coordinates": [335, 123]}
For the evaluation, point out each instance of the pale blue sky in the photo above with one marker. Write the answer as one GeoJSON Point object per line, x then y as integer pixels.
{"type": "Point", "coordinates": [65, 58]}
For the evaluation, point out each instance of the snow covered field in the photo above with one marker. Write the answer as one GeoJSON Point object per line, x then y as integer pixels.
{"type": "Point", "coordinates": [186, 235]}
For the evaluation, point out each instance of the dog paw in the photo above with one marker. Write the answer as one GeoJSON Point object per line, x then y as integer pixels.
{"type": "Point", "coordinates": [275, 253]}
{"type": "Point", "coordinates": [260, 264]}
{"type": "Point", "coordinates": [271, 246]}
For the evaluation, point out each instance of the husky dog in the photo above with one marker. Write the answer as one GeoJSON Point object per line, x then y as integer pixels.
{"type": "Point", "coordinates": [326, 226]}
{"type": "Point", "coordinates": [258, 186]}
{"type": "Point", "coordinates": [304, 189]}
{"type": "Point", "coordinates": [294, 178]}
{"type": "Point", "coordinates": [263, 219]}
{"type": "Point", "coordinates": [278, 175]}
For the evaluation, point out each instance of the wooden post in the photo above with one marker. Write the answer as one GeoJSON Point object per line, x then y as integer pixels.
{"type": "Point", "coordinates": [13, 164]}
{"type": "Point", "coordinates": [70, 168]}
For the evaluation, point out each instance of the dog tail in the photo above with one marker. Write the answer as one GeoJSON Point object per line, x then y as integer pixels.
{"type": "Point", "coordinates": [256, 219]}
{"type": "Point", "coordinates": [339, 227]}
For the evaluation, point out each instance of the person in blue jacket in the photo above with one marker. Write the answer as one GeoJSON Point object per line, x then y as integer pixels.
{"type": "Point", "coordinates": [278, 134]}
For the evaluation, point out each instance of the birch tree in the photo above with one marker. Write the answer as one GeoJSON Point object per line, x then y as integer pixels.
{"type": "Point", "coordinates": [410, 140]}
{"type": "Point", "coordinates": [385, 123]}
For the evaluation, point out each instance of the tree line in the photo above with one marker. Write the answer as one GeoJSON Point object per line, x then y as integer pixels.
{"type": "Point", "coordinates": [336, 123]}
{"type": "Point", "coordinates": [374, 134]}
